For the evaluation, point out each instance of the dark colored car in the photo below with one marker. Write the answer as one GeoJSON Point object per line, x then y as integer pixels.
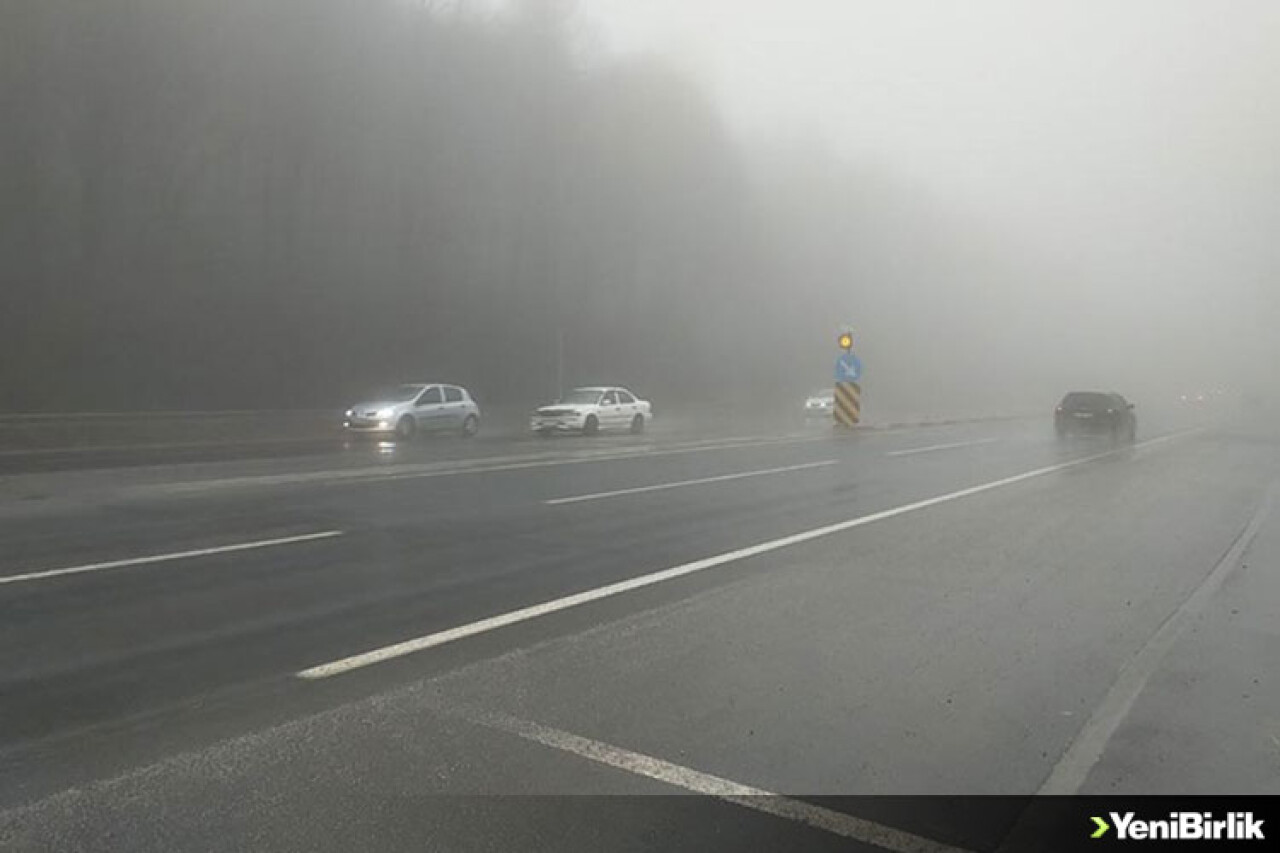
{"type": "Point", "coordinates": [1095, 413]}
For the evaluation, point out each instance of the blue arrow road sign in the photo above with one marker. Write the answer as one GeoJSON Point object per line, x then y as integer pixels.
{"type": "Point", "coordinates": [848, 368]}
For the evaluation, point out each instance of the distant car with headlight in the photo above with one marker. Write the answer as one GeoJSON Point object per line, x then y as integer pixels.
{"type": "Point", "coordinates": [821, 404]}
{"type": "Point", "coordinates": [406, 410]}
{"type": "Point", "coordinates": [592, 409]}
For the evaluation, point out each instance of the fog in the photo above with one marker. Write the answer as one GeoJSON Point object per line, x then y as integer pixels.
{"type": "Point", "coordinates": [1071, 193]}
{"type": "Point", "coordinates": [241, 204]}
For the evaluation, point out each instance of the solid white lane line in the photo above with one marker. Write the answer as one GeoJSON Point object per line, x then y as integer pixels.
{"type": "Point", "coordinates": [164, 558]}
{"type": "Point", "coordinates": [681, 483]}
{"type": "Point", "coordinates": [492, 623]}
{"type": "Point", "coordinates": [757, 799]}
{"type": "Point", "coordinates": [931, 448]}
{"type": "Point", "coordinates": [1072, 769]}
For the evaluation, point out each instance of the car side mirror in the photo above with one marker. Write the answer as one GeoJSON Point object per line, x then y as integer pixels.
{"type": "Point", "coordinates": [1130, 405]}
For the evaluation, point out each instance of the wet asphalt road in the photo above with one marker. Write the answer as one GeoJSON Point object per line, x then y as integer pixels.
{"type": "Point", "coordinates": [211, 656]}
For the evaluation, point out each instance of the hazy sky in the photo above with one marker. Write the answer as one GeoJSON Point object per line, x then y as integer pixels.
{"type": "Point", "coordinates": [1128, 148]}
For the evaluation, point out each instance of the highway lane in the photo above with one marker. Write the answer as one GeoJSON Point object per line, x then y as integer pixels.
{"type": "Point", "coordinates": [23, 460]}
{"type": "Point", "coordinates": [115, 668]}
{"type": "Point", "coordinates": [83, 441]}
{"type": "Point", "coordinates": [136, 442]}
{"type": "Point", "coordinates": [415, 554]}
{"type": "Point", "coordinates": [31, 492]}
{"type": "Point", "coordinates": [391, 531]}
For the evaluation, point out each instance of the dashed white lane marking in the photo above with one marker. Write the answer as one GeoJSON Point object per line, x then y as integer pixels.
{"type": "Point", "coordinates": [931, 448]}
{"type": "Point", "coordinates": [164, 558]}
{"type": "Point", "coordinates": [682, 483]}
{"type": "Point", "coordinates": [481, 465]}
{"type": "Point", "coordinates": [1071, 771]}
{"type": "Point", "coordinates": [748, 796]}
{"type": "Point", "coordinates": [524, 614]}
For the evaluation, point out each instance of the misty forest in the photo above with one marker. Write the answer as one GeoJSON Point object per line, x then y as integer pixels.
{"type": "Point", "coordinates": [245, 204]}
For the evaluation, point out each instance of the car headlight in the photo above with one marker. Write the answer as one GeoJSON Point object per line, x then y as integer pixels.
{"type": "Point", "coordinates": [349, 413]}
{"type": "Point", "coordinates": [384, 413]}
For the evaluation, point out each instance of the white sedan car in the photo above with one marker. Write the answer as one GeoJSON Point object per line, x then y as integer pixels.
{"type": "Point", "coordinates": [821, 404]}
{"type": "Point", "coordinates": [417, 407]}
{"type": "Point", "coordinates": [589, 410]}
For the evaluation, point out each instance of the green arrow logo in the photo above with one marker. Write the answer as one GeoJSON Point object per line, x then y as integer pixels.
{"type": "Point", "coordinates": [1103, 826]}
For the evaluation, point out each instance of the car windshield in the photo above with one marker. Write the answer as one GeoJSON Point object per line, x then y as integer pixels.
{"type": "Point", "coordinates": [399, 394]}
{"type": "Point", "coordinates": [581, 396]}
{"type": "Point", "coordinates": [1088, 401]}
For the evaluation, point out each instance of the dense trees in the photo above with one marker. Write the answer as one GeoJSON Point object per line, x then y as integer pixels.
{"type": "Point", "coordinates": [243, 203]}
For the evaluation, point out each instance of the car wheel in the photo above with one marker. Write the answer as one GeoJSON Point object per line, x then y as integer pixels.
{"type": "Point", "coordinates": [544, 433]}
{"type": "Point", "coordinates": [637, 425]}
{"type": "Point", "coordinates": [470, 426]}
{"type": "Point", "coordinates": [592, 425]}
{"type": "Point", "coordinates": [406, 427]}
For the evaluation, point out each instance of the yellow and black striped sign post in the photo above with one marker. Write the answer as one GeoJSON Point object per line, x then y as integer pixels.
{"type": "Point", "coordinates": [848, 403]}
{"type": "Point", "coordinates": [848, 408]}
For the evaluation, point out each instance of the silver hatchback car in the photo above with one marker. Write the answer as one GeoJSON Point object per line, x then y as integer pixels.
{"type": "Point", "coordinates": [416, 407]}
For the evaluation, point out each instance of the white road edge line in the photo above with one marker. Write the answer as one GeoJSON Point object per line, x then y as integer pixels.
{"type": "Point", "coordinates": [757, 799]}
{"type": "Point", "coordinates": [681, 483]}
{"type": "Point", "coordinates": [164, 558]}
{"type": "Point", "coordinates": [931, 448]}
{"type": "Point", "coordinates": [492, 623]}
{"type": "Point", "coordinates": [1084, 752]}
